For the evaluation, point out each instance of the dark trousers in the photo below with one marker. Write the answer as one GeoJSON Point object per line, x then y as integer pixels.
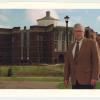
{"type": "Point", "coordinates": [80, 86]}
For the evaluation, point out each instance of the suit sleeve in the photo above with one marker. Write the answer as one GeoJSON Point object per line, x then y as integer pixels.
{"type": "Point", "coordinates": [95, 61]}
{"type": "Point", "coordinates": [66, 67]}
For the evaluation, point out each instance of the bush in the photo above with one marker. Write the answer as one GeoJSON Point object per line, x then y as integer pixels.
{"type": "Point", "coordinates": [10, 72]}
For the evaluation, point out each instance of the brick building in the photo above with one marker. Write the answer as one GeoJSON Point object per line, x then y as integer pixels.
{"type": "Point", "coordinates": [44, 43]}
{"type": "Point", "coordinates": [5, 46]}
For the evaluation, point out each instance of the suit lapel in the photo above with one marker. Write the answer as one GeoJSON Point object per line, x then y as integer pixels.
{"type": "Point", "coordinates": [72, 58]}
{"type": "Point", "coordinates": [82, 47]}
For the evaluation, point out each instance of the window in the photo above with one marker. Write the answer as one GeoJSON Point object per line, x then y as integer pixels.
{"type": "Point", "coordinates": [63, 45]}
{"type": "Point", "coordinates": [56, 34]}
{"type": "Point", "coordinates": [63, 36]}
{"type": "Point", "coordinates": [55, 46]}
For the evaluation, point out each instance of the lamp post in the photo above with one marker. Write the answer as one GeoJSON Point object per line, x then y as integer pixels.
{"type": "Point", "coordinates": [66, 20]}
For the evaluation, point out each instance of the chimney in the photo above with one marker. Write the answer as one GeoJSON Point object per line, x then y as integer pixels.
{"type": "Point", "coordinates": [47, 13]}
{"type": "Point", "coordinates": [24, 27]}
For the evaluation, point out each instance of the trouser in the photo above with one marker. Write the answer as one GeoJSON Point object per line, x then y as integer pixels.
{"type": "Point", "coordinates": [81, 86]}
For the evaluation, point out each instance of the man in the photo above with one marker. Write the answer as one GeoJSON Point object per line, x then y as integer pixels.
{"type": "Point", "coordinates": [81, 61]}
{"type": "Point", "coordinates": [94, 37]}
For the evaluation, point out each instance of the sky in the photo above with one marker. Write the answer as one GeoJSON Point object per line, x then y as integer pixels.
{"type": "Point", "coordinates": [10, 18]}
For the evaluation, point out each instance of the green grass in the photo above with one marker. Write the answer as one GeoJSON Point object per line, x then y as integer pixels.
{"type": "Point", "coordinates": [46, 73]}
{"type": "Point", "coordinates": [46, 70]}
{"type": "Point", "coordinates": [98, 85]}
{"type": "Point", "coordinates": [44, 79]}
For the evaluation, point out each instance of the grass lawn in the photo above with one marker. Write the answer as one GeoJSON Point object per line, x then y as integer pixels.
{"type": "Point", "coordinates": [43, 79]}
{"type": "Point", "coordinates": [40, 73]}
{"type": "Point", "coordinates": [30, 82]}
{"type": "Point", "coordinates": [59, 80]}
{"type": "Point", "coordinates": [40, 70]}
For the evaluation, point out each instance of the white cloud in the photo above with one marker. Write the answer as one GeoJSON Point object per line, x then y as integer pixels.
{"type": "Point", "coordinates": [76, 19]}
{"type": "Point", "coordinates": [33, 15]}
{"type": "Point", "coordinates": [4, 26]}
{"type": "Point", "coordinates": [3, 17]}
{"type": "Point", "coordinates": [61, 23]}
{"type": "Point", "coordinates": [98, 18]}
{"type": "Point", "coordinates": [3, 21]}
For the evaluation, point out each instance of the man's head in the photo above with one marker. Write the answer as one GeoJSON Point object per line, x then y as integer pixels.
{"type": "Point", "coordinates": [93, 35]}
{"type": "Point", "coordinates": [78, 31]}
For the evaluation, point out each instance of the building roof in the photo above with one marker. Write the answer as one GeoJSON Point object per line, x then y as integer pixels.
{"type": "Point", "coordinates": [5, 29]}
{"type": "Point", "coordinates": [47, 17]}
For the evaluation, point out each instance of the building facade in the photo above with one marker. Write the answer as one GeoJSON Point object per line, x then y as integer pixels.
{"type": "Point", "coordinates": [5, 46]}
{"type": "Point", "coordinates": [39, 44]}
{"type": "Point", "coordinates": [44, 43]}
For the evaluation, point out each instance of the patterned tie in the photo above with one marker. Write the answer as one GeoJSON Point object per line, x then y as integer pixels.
{"type": "Point", "coordinates": [76, 51]}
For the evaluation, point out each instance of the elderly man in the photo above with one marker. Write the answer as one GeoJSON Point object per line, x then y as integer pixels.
{"type": "Point", "coordinates": [81, 61]}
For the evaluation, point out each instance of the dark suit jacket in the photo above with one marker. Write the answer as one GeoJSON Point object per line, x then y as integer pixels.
{"type": "Point", "coordinates": [85, 67]}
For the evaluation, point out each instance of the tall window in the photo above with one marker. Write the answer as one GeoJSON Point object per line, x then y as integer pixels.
{"type": "Point", "coordinates": [25, 39]}
{"type": "Point", "coordinates": [63, 36]}
{"type": "Point", "coordinates": [55, 46]}
{"type": "Point", "coordinates": [56, 34]}
{"type": "Point", "coordinates": [63, 45]}
{"type": "Point", "coordinates": [21, 45]}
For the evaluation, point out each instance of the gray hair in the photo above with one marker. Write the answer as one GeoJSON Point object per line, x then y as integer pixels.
{"type": "Point", "coordinates": [78, 25]}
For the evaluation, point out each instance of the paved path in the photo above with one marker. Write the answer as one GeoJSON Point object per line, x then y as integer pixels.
{"type": "Point", "coordinates": [28, 85]}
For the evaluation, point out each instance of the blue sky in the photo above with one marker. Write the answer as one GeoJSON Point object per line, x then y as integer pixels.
{"type": "Point", "coordinates": [26, 17]}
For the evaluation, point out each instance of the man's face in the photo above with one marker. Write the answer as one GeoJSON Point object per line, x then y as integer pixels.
{"type": "Point", "coordinates": [79, 33]}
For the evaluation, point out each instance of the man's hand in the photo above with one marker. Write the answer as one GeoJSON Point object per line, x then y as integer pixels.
{"type": "Point", "coordinates": [93, 82]}
{"type": "Point", "coordinates": [66, 82]}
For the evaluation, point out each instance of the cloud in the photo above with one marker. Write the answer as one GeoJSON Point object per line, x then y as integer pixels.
{"type": "Point", "coordinates": [98, 18]}
{"type": "Point", "coordinates": [33, 15]}
{"type": "Point", "coordinates": [4, 21]}
{"type": "Point", "coordinates": [3, 18]}
{"type": "Point", "coordinates": [76, 19]}
{"type": "Point", "coordinates": [64, 11]}
{"type": "Point", "coordinates": [4, 26]}
{"type": "Point", "coordinates": [61, 23]}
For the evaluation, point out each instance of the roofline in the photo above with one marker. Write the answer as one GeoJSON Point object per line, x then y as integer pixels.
{"type": "Point", "coordinates": [48, 19]}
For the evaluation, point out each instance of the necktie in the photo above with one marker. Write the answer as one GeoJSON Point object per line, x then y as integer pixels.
{"type": "Point", "coordinates": [76, 51]}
